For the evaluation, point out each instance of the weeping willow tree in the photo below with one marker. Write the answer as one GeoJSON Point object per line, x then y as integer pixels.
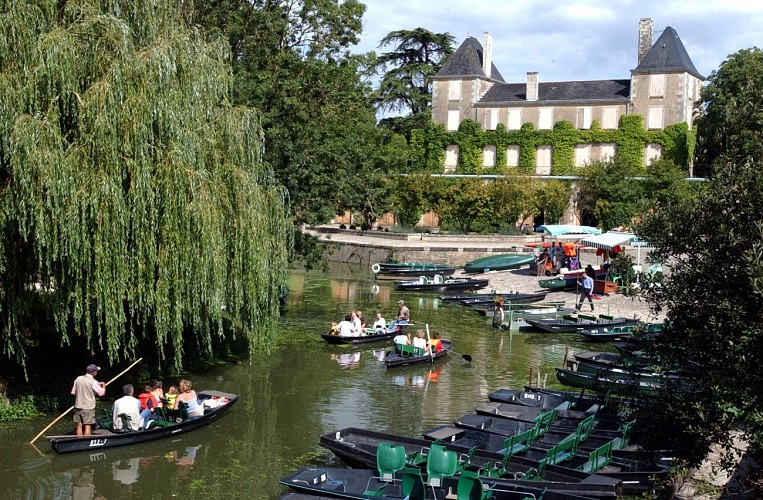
{"type": "Point", "coordinates": [133, 195]}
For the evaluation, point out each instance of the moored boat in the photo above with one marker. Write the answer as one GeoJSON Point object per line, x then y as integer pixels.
{"type": "Point", "coordinates": [615, 333]}
{"type": "Point", "coordinates": [630, 386]}
{"type": "Point", "coordinates": [390, 267]}
{"type": "Point", "coordinates": [441, 284]}
{"type": "Point", "coordinates": [499, 262]}
{"type": "Point", "coordinates": [576, 324]}
{"type": "Point", "coordinates": [171, 423]}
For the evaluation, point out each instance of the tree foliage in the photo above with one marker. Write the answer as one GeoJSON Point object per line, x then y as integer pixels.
{"type": "Point", "coordinates": [608, 193]}
{"type": "Point", "coordinates": [292, 63]}
{"type": "Point", "coordinates": [730, 126]}
{"type": "Point", "coordinates": [134, 196]}
{"type": "Point", "coordinates": [714, 247]}
{"type": "Point", "coordinates": [464, 202]}
{"type": "Point", "coordinates": [406, 75]}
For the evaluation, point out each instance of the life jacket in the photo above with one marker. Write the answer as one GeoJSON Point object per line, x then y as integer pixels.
{"type": "Point", "coordinates": [144, 398]}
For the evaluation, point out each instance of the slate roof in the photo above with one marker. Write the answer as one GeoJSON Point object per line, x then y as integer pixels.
{"type": "Point", "coordinates": [467, 61]}
{"type": "Point", "coordinates": [552, 92]}
{"type": "Point", "coordinates": [668, 55]}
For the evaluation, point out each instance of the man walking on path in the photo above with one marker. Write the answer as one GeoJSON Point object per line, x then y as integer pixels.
{"type": "Point", "coordinates": [586, 284]}
{"type": "Point", "coordinates": [84, 391]}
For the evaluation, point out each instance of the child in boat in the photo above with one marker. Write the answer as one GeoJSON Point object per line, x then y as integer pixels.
{"type": "Point", "coordinates": [157, 392]}
{"type": "Point", "coordinates": [435, 344]}
{"type": "Point", "coordinates": [172, 393]}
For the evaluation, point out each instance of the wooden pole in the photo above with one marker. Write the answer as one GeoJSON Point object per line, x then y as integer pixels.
{"type": "Point", "coordinates": [530, 378]}
{"type": "Point", "coordinates": [72, 407]}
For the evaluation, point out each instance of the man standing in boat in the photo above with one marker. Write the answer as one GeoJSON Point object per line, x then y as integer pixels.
{"type": "Point", "coordinates": [84, 390]}
{"type": "Point", "coordinates": [403, 313]}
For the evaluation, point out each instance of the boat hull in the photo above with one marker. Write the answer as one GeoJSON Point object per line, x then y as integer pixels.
{"type": "Point", "coordinates": [103, 438]}
{"type": "Point", "coordinates": [393, 358]}
{"type": "Point", "coordinates": [500, 262]}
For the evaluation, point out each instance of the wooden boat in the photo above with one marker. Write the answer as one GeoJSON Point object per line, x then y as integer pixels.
{"type": "Point", "coordinates": [358, 448]}
{"type": "Point", "coordinates": [172, 423]}
{"type": "Point", "coordinates": [536, 399]}
{"type": "Point", "coordinates": [441, 284]}
{"type": "Point", "coordinates": [576, 324]}
{"type": "Point", "coordinates": [499, 262]}
{"type": "Point", "coordinates": [506, 298]}
{"type": "Point", "coordinates": [388, 267]}
{"type": "Point", "coordinates": [616, 333]}
{"type": "Point", "coordinates": [409, 355]}
{"type": "Point", "coordinates": [413, 272]}
{"type": "Point", "coordinates": [630, 386]}
{"type": "Point", "coordinates": [593, 363]}
{"type": "Point", "coordinates": [567, 418]}
{"type": "Point", "coordinates": [568, 280]}
{"type": "Point", "coordinates": [402, 483]}
{"type": "Point", "coordinates": [370, 335]}
{"type": "Point", "coordinates": [508, 427]}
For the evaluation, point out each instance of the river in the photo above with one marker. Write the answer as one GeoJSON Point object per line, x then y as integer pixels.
{"type": "Point", "coordinates": [289, 397]}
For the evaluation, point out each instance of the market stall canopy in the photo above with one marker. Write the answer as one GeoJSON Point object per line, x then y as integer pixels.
{"type": "Point", "coordinates": [560, 229]}
{"type": "Point", "coordinates": [608, 241]}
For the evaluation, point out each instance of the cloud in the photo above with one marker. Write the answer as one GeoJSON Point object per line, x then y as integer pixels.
{"type": "Point", "coordinates": [581, 40]}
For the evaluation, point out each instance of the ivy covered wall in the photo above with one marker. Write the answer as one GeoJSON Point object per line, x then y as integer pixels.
{"type": "Point", "coordinates": [427, 146]}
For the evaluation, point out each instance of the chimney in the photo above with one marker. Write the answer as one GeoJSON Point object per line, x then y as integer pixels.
{"type": "Point", "coordinates": [487, 54]}
{"type": "Point", "coordinates": [645, 26]}
{"type": "Point", "coordinates": [531, 94]}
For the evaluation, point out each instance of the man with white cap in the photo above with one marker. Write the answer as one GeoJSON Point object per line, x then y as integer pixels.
{"type": "Point", "coordinates": [84, 391]}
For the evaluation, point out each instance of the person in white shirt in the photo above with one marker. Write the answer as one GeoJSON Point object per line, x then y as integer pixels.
{"type": "Point", "coordinates": [345, 327]}
{"type": "Point", "coordinates": [380, 325]}
{"type": "Point", "coordinates": [401, 339]}
{"type": "Point", "coordinates": [129, 406]}
{"type": "Point", "coordinates": [419, 341]}
{"type": "Point", "coordinates": [357, 324]}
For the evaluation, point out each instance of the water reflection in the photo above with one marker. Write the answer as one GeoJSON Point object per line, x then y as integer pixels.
{"type": "Point", "coordinates": [419, 378]}
{"type": "Point", "coordinates": [292, 394]}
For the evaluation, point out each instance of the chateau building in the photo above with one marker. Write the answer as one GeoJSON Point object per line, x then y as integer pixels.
{"type": "Point", "coordinates": [662, 90]}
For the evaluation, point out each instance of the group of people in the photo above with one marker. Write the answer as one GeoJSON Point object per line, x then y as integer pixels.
{"type": "Point", "coordinates": [354, 324]}
{"type": "Point", "coordinates": [138, 412]}
{"type": "Point", "coordinates": [555, 257]}
{"type": "Point", "coordinates": [434, 344]}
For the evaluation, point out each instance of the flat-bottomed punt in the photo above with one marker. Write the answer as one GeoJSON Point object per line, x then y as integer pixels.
{"type": "Point", "coordinates": [440, 284]}
{"type": "Point", "coordinates": [175, 422]}
{"type": "Point", "coordinates": [404, 355]}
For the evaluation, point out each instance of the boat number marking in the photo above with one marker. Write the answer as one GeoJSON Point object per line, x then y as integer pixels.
{"type": "Point", "coordinates": [175, 431]}
{"type": "Point", "coordinates": [98, 442]}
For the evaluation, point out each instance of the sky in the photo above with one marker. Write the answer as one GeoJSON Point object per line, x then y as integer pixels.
{"type": "Point", "coordinates": [573, 40]}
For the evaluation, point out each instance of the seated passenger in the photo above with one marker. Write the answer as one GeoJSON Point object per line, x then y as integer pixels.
{"type": "Point", "coordinates": [380, 325]}
{"type": "Point", "coordinates": [435, 344]}
{"type": "Point", "coordinates": [129, 406]}
{"type": "Point", "coordinates": [419, 341]}
{"type": "Point", "coordinates": [148, 404]}
{"type": "Point", "coordinates": [345, 327]}
{"type": "Point", "coordinates": [172, 393]}
{"type": "Point", "coordinates": [188, 396]}
{"type": "Point", "coordinates": [402, 339]}
{"type": "Point", "coordinates": [157, 392]}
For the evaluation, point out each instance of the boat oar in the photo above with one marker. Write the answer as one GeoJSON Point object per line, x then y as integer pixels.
{"type": "Point", "coordinates": [465, 357]}
{"type": "Point", "coordinates": [429, 346]}
{"type": "Point", "coordinates": [72, 407]}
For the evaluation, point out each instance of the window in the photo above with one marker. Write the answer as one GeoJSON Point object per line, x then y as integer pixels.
{"type": "Point", "coordinates": [582, 155]}
{"type": "Point", "coordinates": [607, 152]}
{"type": "Point", "coordinates": [609, 118]}
{"type": "Point", "coordinates": [451, 158]}
{"type": "Point", "coordinates": [454, 119]}
{"type": "Point", "coordinates": [545, 118]}
{"type": "Point", "coordinates": [515, 119]}
{"type": "Point", "coordinates": [654, 120]}
{"type": "Point", "coordinates": [454, 90]}
{"type": "Point", "coordinates": [657, 85]}
{"type": "Point", "coordinates": [512, 156]}
{"type": "Point", "coordinates": [543, 160]}
{"type": "Point", "coordinates": [488, 156]}
{"type": "Point", "coordinates": [491, 119]}
{"type": "Point", "coordinates": [584, 118]}
{"type": "Point", "coordinates": [653, 152]}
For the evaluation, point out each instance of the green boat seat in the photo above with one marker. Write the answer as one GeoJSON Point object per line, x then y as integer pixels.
{"type": "Point", "coordinates": [621, 442]}
{"type": "Point", "coordinates": [519, 442]}
{"type": "Point", "coordinates": [441, 463]}
{"type": "Point", "coordinates": [390, 458]}
{"type": "Point", "coordinates": [543, 422]}
{"type": "Point", "coordinates": [413, 486]}
{"type": "Point", "coordinates": [535, 473]}
{"type": "Point", "coordinates": [585, 427]}
{"type": "Point", "coordinates": [598, 458]}
{"type": "Point", "coordinates": [563, 451]}
{"type": "Point", "coordinates": [470, 487]}
{"type": "Point", "coordinates": [465, 459]}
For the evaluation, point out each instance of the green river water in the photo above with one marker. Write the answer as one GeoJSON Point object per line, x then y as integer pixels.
{"type": "Point", "coordinates": [292, 396]}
